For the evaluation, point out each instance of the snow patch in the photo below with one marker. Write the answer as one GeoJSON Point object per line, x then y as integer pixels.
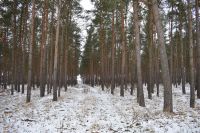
{"type": "Point", "coordinates": [97, 111]}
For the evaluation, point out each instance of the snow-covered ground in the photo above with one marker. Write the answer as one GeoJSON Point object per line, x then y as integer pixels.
{"type": "Point", "coordinates": [83, 109]}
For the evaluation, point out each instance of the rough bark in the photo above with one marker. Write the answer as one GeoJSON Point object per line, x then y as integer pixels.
{"type": "Point", "coordinates": [192, 93]}
{"type": "Point", "coordinates": [168, 105]}
{"type": "Point", "coordinates": [157, 70]}
{"type": "Point", "coordinates": [150, 41]}
{"type": "Point", "coordinates": [51, 52]}
{"type": "Point", "coordinates": [43, 49]}
{"type": "Point", "coordinates": [113, 54]}
{"type": "Point", "coordinates": [198, 48]}
{"type": "Point", "coordinates": [171, 45]}
{"type": "Point", "coordinates": [102, 51]}
{"type": "Point", "coordinates": [183, 78]}
{"type": "Point", "coordinates": [140, 98]}
{"type": "Point", "coordinates": [61, 60]}
{"type": "Point", "coordinates": [14, 48]}
{"type": "Point", "coordinates": [123, 50]}
{"type": "Point", "coordinates": [28, 98]}
{"type": "Point", "coordinates": [24, 43]}
{"type": "Point", "coordinates": [56, 53]}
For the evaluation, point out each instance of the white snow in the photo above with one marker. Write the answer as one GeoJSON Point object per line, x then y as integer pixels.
{"type": "Point", "coordinates": [94, 111]}
{"type": "Point", "coordinates": [79, 79]}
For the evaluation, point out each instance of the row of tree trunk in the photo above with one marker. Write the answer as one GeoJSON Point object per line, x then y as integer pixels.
{"type": "Point", "coordinates": [46, 54]}
{"type": "Point", "coordinates": [123, 61]}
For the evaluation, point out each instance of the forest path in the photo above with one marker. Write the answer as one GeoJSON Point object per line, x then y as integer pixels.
{"type": "Point", "coordinates": [98, 111]}
{"type": "Point", "coordinates": [86, 109]}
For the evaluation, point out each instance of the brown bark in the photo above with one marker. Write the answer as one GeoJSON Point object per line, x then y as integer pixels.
{"type": "Point", "coordinates": [168, 105]}
{"type": "Point", "coordinates": [183, 78]}
{"type": "Point", "coordinates": [24, 43]}
{"type": "Point", "coordinates": [14, 51]}
{"type": "Point", "coordinates": [113, 53]}
{"type": "Point", "coordinates": [123, 50]}
{"type": "Point", "coordinates": [43, 48]}
{"type": "Point", "coordinates": [61, 59]}
{"type": "Point", "coordinates": [192, 93]}
{"type": "Point", "coordinates": [66, 59]}
{"type": "Point", "coordinates": [51, 52]}
{"type": "Point", "coordinates": [171, 45]}
{"type": "Point", "coordinates": [140, 98]}
{"type": "Point", "coordinates": [150, 41]}
{"type": "Point", "coordinates": [102, 51]}
{"type": "Point", "coordinates": [198, 48]}
{"type": "Point", "coordinates": [56, 53]}
{"type": "Point", "coordinates": [20, 51]}
{"type": "Point", "coordinates": [28, 98]}
{"type": "Point", "coordinates": [157, 69]}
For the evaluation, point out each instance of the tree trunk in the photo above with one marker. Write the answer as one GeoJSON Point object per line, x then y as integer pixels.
{"type": "Point", "coordinates": [192, 93]}
{"type": "Point", "coordinates": [150, 41]}
{"type": "Point", "coordinates": [28, 98]}
{"type": "Point", "coordinates": [123, 51]}
{"type": "Point", "coordinates": [66, 60]}
{"type": "Point", "coordinates": [56, 53]}
{"type": "Point", "coordinates": [43, 48]}
{"type": "Point", "coordinates": [182, 58]}
{"type": "Point", "coordinates": [51, 51]}
{"type": "Point", "coordinates": [24, 42]}
{"type": "Point", "coordinates": [198, 48]}
{"type": "Point", "coordinates": [168, 105]}
{"type": "Point", "coordinates": [157, 69]}
{"type": "Point", "coordinates": [14, 52]}
{"type": "Point", "coordinates": [140, 99]}
{"type": "Point", "coordinates": [61, 59]}
{"type": "Point", "coordinates": [102, 51]}
{"type": "Point", "coordinates": [113, 54]}
{"type": "Point", "coordinates": [171, 46]}
{"type": "Point", "coordinates": [20, 49]}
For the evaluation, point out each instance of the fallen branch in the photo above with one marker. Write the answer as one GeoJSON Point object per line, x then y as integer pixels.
{"type": "Point", "coordinates": [29, 120]}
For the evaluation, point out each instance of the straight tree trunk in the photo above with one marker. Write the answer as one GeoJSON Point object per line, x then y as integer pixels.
{"type": "Point", "coordinates": [192, 93]}
{"type": "Point", "coordinates": [51, 52]}
{"type": "Point", "coordinates": [28, 98]}
{"type": "Point", "coordinates": [140, 99]}
{"type": "Point", "coordinates": [168, 105]}
{"type": "Point", "coordinates": [150, 41]}
{"type": "Point", "coordinates": [23, 45]}
{"type": "Point", "coordinates": [171, 46]}
{"type": "Point", "coordinates": [198, 48]}
{"type": "Point", "coordinates": [68, 23]}
{"type": "Point", "coordinates": [182, 58]}
{"type": "Point", "coordinates": [15, 46]}
{"type": "Point", "coordinates": [56, 52]}
{"type": "Point", "coordinates": [66, 60]}
{"type": "Point", "coordinates": [133, 74]}
{"type": "Point", "coordinates": [123, 51]}
{"type": "Point", "coordinates": [14, 51]}
{"type": "Point", "coordinates": [157, 69]}
{"type": "Point", "coordinates": [113, 54]}
{"type": "Point", "coordinates": [20, 49]}
{"type": "Point", "coordinates": [175, 80]}
{"type": "Point", "coordinates": [102, 51]}
{"type": "Point", "coordinates": [43, 49]}
{"type": "Point", "coordinates": [61, 59]}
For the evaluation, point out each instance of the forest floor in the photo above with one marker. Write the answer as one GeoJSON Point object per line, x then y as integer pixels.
{"type": "Point", "coordinates": [85, 109]}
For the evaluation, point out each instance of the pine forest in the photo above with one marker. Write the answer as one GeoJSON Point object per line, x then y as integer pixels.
{"type": "Point", "coordinates": [100, 66]}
